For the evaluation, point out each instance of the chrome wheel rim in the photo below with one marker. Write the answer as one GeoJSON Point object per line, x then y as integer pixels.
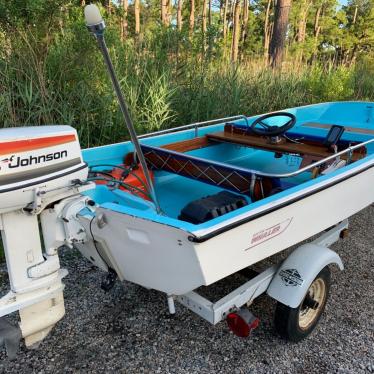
{"type": "Point", "coordinates": [308, 315]}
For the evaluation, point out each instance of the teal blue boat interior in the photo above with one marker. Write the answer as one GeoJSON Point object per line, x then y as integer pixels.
{"type": "Point", "coordinates": [262, 169]}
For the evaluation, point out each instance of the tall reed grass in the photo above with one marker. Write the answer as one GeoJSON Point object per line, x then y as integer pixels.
{"type": "Point", "coordinates": [65, 82]}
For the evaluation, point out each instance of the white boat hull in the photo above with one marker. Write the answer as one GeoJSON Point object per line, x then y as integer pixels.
{"type": "Point", "coordinates": [163, 257]}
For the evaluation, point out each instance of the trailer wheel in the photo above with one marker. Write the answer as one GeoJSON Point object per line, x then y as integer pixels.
{"type": "Point", "coordinates": [295, 324]}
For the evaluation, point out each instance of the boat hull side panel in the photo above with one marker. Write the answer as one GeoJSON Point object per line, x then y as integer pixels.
{"type": "Point", "coordinates": [161, 257]}
{"type": "Point", "coordinates": [256, 240]}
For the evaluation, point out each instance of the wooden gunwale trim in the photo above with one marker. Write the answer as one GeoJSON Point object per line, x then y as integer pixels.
{"type": "Point", "coordinates": [181, 146]}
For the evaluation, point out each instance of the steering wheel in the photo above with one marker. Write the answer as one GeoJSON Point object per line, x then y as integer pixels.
{"type": "Point", "coordinates": [269, 130]}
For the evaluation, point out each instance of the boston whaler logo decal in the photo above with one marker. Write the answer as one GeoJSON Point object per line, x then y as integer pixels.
{"type": "Point", "coordinates": [15, 162]}
{"type": "Point", "coordinates": [291, 277]}
{"type": "Point", "coordinates": [269, 233]}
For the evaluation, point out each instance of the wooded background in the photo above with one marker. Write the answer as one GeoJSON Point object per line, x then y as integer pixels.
{"type": "Point", "coordinates": [180, 61]}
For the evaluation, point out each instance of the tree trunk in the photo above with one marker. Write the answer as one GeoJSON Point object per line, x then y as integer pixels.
{"type": "Point", "coordinates": [124, 23]}
{"type": "Point", "coordinates": [355, 15]}
{"type": "Point", "coordinates": [302, 28]}
{"type": "Point", "coordinates": [245, 21]}
{"type": "Point", "coordinates": [210, 13]}
{"type": "Point", "coordinates": [163, 12]}
{"type": "Point", "coordinates": [221, 3]}
{"type": "Point", "coordinates": [317, 27]}
{"type": "Point", "coordinates": [192, 17]}
{"type": "Point", "coordinates": [278, 38]}
{"type": "Point", "coordinates": [137, 16]}
{"type": "Point", "coordinates": [231, 12]}
{"type": "Point", "coordinates": [169, 12]}
{"type": "Point", "coordinates": [302, 22]}
{"type": "Point", "coordinates": [224, 23]}
{"type": "Point", "coordinates": [109, 6]}
{"type": "Point", "coordinates": [203, 25]}
{"type": "Point", "coordinates": [267, 30]}
{"type": "Point", "coordinates": [236, 32]}
{"type": "Point", "coordinates": [179, 15]}
{"type": "Point", "coordinates": [317, 30]}
{"type": "Point", "coordinates": [204, 16]}
{"type": "Point", "coordinates": [353, 56]}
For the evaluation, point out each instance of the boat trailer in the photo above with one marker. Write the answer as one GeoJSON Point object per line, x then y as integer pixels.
{"type": "Point", "coordinates": [36, 278]}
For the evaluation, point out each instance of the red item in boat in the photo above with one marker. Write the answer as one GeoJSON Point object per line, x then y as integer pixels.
{"type": "Point", "coordinates": [135, 179]}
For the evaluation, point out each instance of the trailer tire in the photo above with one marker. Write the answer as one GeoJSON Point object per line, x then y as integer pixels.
{"type": "Point", "coordinates": [295, 324]}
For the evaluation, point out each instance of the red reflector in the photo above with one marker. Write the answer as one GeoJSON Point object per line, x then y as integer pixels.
{"type": "Point", "coordinates": [242, 322]}
{"type": "Point", "coordinates": [237, 325]}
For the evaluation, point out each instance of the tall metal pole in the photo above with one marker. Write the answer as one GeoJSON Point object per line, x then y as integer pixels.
{"type": "Point", "coordinates": [96, 25]}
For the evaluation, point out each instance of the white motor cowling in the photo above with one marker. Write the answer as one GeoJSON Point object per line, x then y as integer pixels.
{"type": "Point", "coordinates": [46, 157]}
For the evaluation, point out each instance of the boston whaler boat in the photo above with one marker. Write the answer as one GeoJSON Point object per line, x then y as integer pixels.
{"type": "Point", "coordinates": [186, 207]}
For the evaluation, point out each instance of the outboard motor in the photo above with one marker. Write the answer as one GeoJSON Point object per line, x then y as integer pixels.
{"type": "Point", "coordinates": [39, 166]}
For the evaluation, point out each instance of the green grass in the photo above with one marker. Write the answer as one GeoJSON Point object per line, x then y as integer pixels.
{"type": "Point", "coordinates": [66, 83]}
{"type": "Point", "coordinates": [162, 99]}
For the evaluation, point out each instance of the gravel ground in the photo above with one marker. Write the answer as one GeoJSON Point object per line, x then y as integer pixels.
{"type": "Point", "coordinates": [127, 330]}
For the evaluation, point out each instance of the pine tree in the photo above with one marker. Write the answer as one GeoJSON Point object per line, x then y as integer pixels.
{"type": "Point", "coordinates": [236, 32]}
{"type": "Point", "coordinates": [278, 39]}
